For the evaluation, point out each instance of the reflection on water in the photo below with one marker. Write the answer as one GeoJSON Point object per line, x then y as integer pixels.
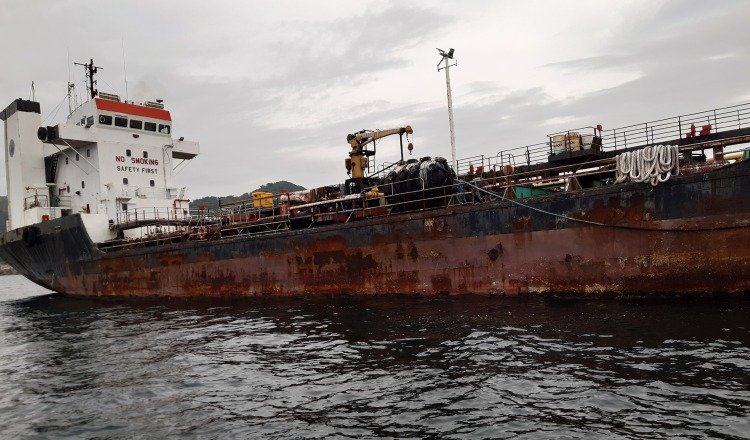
{"type": "Point", "coordinates": [372, 367]}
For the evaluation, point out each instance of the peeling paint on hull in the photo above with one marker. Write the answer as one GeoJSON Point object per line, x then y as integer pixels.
{"type": "Point", "coordinates": [689, 235]}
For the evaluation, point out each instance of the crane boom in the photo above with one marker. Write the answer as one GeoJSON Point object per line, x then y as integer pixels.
{"type": "Point", "coordinates": [364, 137]}
{"type": "Point", "coordinates": [357, 161]}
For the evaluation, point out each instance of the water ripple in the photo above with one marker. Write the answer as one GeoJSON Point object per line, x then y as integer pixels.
{"type": "Point", "coordinates": [393, 367]}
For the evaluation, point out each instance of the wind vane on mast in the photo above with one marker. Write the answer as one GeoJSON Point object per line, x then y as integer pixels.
{"type": "Point", "coordinates": [90, 70]}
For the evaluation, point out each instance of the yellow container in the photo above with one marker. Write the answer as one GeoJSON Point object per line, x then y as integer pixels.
{"type": "Point", "coordinates": [262, 199]}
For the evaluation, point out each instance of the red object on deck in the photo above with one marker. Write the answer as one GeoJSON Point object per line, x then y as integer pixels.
{"type": "Point", "coordinates": [705, 130]}
{"type": "Point", "coordinates": [692, 131]}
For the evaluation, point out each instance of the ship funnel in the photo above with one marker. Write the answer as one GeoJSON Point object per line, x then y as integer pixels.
{"type": "Point", "coordinates": [24, 159]}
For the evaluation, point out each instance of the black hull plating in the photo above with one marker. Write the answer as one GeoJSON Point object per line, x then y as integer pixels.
{"type": "Point", "coordinates": [689, 234]}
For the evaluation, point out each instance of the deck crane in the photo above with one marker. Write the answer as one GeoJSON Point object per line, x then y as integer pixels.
{"type": "Point", "coordinates": [357, 162]}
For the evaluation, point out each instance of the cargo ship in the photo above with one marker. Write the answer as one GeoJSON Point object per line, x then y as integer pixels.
{"type": "Point", "coordinates": [642, 209]}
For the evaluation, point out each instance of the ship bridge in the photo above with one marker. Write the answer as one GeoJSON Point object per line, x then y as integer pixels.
{"type": "Point", "coordinates": [111, 156]}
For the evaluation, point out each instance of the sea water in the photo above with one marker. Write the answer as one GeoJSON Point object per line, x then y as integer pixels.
{"type": "Point", "coordinates": [392, 367]}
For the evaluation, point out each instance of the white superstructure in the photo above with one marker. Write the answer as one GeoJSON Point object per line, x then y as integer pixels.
{"type": "Point", "coordinates": [111, 158]}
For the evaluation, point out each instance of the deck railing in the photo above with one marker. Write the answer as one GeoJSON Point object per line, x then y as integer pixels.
{"type": "Point", "coordinates": [691, 131]}
{"type": "Point", "coordinates": [691, 127]}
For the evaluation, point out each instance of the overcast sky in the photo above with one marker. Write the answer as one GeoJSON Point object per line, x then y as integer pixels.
{"type": "Point", "coordinates": [270, 89]}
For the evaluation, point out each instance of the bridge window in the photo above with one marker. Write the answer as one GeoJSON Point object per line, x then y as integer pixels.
{"type": "Point", "coordinates": [134, 123]}
{"type": "Point", "coordinates": [88, 152]}
{"type": "Point", "coordinates": [163, 128]}
{"type": "Point", "coordinates": [124, 206]}
{"type": "Point", "coordinates": [121, 122]}
{"type": "Point", "coordinates": [124, 180]}
{"type": "Point", "coordinates": [105, 120]}
{"type": "Point", "coordinates": [77, 157]}
{"type": "Point", "coordinates": [127, 153]}
{"type": "Point", "coordinates": [149, 126]}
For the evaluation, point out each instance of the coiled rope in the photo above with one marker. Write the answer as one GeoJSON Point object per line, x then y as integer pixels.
{"type": "Point", "coordinates": [654, 164]}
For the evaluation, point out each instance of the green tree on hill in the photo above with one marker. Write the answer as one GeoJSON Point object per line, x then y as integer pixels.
{"type": "Point", "coordinates": [212, 202]}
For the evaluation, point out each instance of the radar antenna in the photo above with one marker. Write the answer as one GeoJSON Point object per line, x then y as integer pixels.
{"type": "Point", "coordinates": [90, 70]}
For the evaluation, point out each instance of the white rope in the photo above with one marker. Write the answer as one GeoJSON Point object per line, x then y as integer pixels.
{"type": "Point", "coordinates": [654, 164]}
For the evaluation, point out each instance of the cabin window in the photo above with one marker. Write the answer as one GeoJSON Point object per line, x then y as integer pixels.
{"type": "Point", "coordinates": [134, 123]}
{"type": "Point", "coordinates": [149, 126]}
{"type": "Point", "coordinates": [83, 184]}
{"type": "Point", "coordinates": [163, 128]}
{"type": "Point", "coordinates": [67, 188]}
{"type": "Point", "coordinates": [124, 180]}
{"type": "Point", "coordinates": [152, 183]}
{"type": "Point", "coordinates": [145, 154]}
{"type": "Point", "coordinates": [127, 153]}
{"type": "Point", "coordinates": [121, 122]}
{"type": "Point", "coordinates": [66, 161]}
{"type": "Point", "coordinates": [88, 152]}
{"type": "Point", "coordinates": [124, 206]}
{"type": "Point", "coordinates": [77, 157]}
{"type": "Point", "coordinates": [105, 120]}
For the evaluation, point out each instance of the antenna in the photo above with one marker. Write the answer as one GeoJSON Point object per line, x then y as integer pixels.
{"type": "Point", "coordinates": [125, 69]}
{"type": "Point", "coordinates": [90, 70]}
{"type": "Point", "coordinates": [71, 89]}
{"type": "Point", "coordinates": [71, 86]}
{"type": "Point", "coordinates": [445, 58]}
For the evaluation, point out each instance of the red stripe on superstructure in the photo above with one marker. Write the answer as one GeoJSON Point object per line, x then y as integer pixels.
{"type": "Point", "coordinates": [132, 109]}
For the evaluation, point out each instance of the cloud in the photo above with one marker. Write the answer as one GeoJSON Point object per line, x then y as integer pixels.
{"type": "Point", "coordinates": [271, 89]}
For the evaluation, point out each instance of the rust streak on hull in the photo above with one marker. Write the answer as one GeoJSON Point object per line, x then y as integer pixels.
{"type": "Point", "coordinates": [691, 235]}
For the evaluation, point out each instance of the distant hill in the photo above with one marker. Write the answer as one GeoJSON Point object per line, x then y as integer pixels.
{"type": "Point", "coordinates": [212, 202]}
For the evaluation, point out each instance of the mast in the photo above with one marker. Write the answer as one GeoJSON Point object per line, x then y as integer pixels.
{"type": "Point", "coordinates": [90, 70]}
{"type": "Point", "coordinates": [446, 56]}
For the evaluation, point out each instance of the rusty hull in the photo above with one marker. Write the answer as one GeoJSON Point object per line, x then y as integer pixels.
{"type": "Point", "coordinates": [689, 235]}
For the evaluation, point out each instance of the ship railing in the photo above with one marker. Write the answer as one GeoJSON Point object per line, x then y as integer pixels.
{"type": "Point", "coordinates": [155, 215]}
{"type": "Point", "coordinates": [688, 127]}
{"type": "Point", "coordinates": [692, 128]}
{"type": "Point", "coordinates": [383, 168]}
{"type": "Point", "coordinates": [63, 202]}
{"type": "Point", "coordinates": [43, 201]}
{"type": "Point", "coordinates": [250, 206]}
{"type": "Point", "coordinates": [37, 200]}
{"type": "Point", "coordinates": [565, 180]}
{"type": "Point", "coordinates": [268, 225]}
{"type": "Point", "coordinates": [421, 197]}
{"type": "Point", "coordinates": [155, 193]}
{"type": "Point", "coordinates": [196, 233]}
{"type": "Point", "coordinates": [525, 155]}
